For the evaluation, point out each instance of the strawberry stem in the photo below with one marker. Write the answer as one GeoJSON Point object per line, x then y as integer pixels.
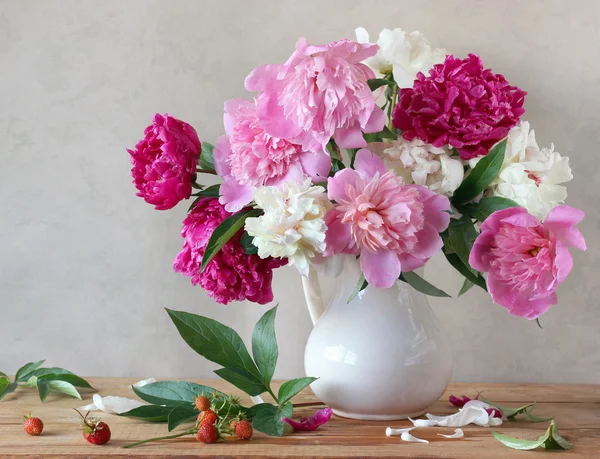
{"type": "Point", "coordinates": [187, 432]}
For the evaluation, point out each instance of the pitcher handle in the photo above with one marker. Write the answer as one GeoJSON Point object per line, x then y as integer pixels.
{"type": "Point", "coordinates": [312, 295]}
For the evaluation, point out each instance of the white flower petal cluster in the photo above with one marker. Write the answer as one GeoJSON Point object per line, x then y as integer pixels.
{"type": "Point", "coordinates": [531, 176]}
{"type": "Point", "coordinates": [403, 54]}
{"type": "Point", "coordinates": [423, 164]}
{"type": "Point", "coordinates": [293, 224]}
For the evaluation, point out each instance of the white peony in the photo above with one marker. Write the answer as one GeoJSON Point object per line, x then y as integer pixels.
{"type": "Point", "coordinates": [530, 176]}
{"type": "Point", "coordinates": [423, 164]}
{"type": "Point", "coordinates": [403, 54]}
{"type": "Point", "coordinates": [292, 225]}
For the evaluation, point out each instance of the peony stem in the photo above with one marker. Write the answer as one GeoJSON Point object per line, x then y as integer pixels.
{"type": "Point", "coordinates": [131, 445]}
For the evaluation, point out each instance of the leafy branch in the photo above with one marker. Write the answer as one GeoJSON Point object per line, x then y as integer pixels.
{"type": "Point", "coordinates": [45, 380]}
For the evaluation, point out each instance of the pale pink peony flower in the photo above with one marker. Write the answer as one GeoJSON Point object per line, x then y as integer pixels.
{"type": "Point", "coordinates": [164, 162]}
{"type": "Point", "coordinates": [525, 259]}
{"type": "Point", "coordinates": [394, 227]}
{"type": "Point", "coordinates": [459, 103]}
{"type": "Point", "coordinates": [248, 157]}
{"type": "Point", "coordinates": [320, 92]}
{"type": "Point", "coordinates": [231, 275]}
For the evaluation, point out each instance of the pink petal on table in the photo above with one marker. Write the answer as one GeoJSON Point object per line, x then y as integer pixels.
{"type": "Point", "coordinates": [458, 402]}
{"type": "Point", "coordinates": [317, 419]}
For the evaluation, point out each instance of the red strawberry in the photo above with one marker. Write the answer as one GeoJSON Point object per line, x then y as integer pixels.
{"type": "Point", "coordinates": [33, 426]}
{"type": "Point", "coordinates": [208, 417]}
{"type": "Point", "coordinates": [202, 403]}
{"type": "Point", "coordinates": [207, 433]}
{"type": "Point", "coordinates": [94, 430]}
{"type": "Point", "coordinates": [243, 430]}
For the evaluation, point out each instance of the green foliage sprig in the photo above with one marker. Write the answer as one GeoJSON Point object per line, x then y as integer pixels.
{"type": "Point", "coordinates": [45, 380]}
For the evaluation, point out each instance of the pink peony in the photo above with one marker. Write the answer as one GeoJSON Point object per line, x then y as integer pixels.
{"type": "Point", "coordinates": [320, 417]}
{"type": "Point", "coordinates": [394, 227]}
{"type": "Point", "coordinates": [248, 157]}
{"type": "Point", "coordinates": [164, 162]}
{"type": "Point", "coordinates": [525, 259]}
{"type": "Point", "coordinates": [460, 104]}
{"type": "Point", "coordinates": [320, 92]}
{"type": "Point", "coordinates": [231, 275]}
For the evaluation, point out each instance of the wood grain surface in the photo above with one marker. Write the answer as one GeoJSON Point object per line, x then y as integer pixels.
{"type": "Point", "coordinates": [576, 409]}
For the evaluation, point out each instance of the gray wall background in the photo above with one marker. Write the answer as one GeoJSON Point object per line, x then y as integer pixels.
{"type": "Point", "coordinates": [85, 265]}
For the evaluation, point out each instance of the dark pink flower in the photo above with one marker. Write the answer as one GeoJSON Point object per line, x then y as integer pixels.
{"type": "Point", "coordinates": [231, 275]}
{"type": "Point", "coordinates": [459, 103]}
{"type": "Point", "coordinates": [164, 162]}
{"type": "Point", "coordinates": [494, 412]}
{"type": "Point", "coordinates": [525, 259]}
{"type": "Point", "coordinates": [459, 402]}
{"type": "Point", "coordinates": [317, 419]}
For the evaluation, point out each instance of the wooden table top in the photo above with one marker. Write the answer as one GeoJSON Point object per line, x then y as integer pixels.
{"type": "Point", "coordinates": [575, 408]}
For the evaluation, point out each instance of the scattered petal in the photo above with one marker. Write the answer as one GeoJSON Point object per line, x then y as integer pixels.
{"type": "Point", "coordinates": [390, 431]}
{"type": "Point", "coordinates": [458, 433]}
{"type": "Point", "coordinates": [257, 400]}
{"type": "Point", "coordinates": [474, 412]}
{"type": "Point", "coordinates": [305, 424]}
{"type": "Point", "coordinates": [111, 404]}
{"type": "Point", "coordinates": [406, 436]}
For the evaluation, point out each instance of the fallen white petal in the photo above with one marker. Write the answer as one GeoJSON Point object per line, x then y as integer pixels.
{"type": "Point", "coordinates": [406, 436]}
{"type": "Point", "coordinates": [111, 404]}
{"type": "Point", "coordinates": [143, 382]}
{"type": "Point", "coordinates": [389, 431]}
{"type": "Point", "coordinates": [473, 412]}
{"type": "Point", "coordinates": [458, 433]}
{"type": "Point", "coordinates": [257, 400]}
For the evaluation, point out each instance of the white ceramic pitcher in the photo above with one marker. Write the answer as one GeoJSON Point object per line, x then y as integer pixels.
{"type": "Point", "coordinates": [382, 356]}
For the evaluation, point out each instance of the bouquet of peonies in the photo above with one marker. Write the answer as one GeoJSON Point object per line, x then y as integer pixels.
{"type": "Point", "coordinates": [390, 152]}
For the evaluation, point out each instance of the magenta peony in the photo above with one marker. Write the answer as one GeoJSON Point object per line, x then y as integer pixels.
{"type": "Point", "coordinates": [231, 275]}
{"type": "Point", "coordinates": [164, 162]}
{"type": "Point", "coordinates": [525, 259]}
{"type": "Point", "coordinates": [461, 104]}
{"type": "Point", "coordinates": [394, 227]}
{"type": "Point", "coordinates": [320, 92]}
{"type": "Point", "coordinates": [248, 157]}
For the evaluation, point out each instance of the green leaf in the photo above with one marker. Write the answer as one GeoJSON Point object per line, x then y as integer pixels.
{"type": "Point", "coordinates": [31, 382]}
{"type": "Point", "coordinates": [336, 166]}
{"type": "Point", "coordinates": [180, 415]}
{"type": "Point", "coordinates": [65, 377]}
{"type": "Point", "coordinates": [517, 443]}
{"type": "Point", "coordinates": [292, 387]}
{"type": "Point", "coordinates": [486, 207]}
{"type": "Point", "coordinates": [174, 393]}
{"type": "Point", "coordinates": [207, 160]}
{"type": "Point", "coordinates": [6, 387]}
{"type": "Point", "coordinates": [376, 83]}
{"type": "Point", "coordinates": [43, 389]}
{"type": "Point", "coordinates": [550, 440]}
{"type": "Point", "coordinates": [61, 386]}
{"type": "Point", "coordinates": [215, 342]}
{"type": "Point", "coordinates": [421, 285]}
{"type": "Point", "coordinates": [242, 380]}
{"type": "Point", "coordinates": [467, 272]}
{"type": "Point", "coordinates": [267, 418]}
{"type": "Point", "coordinates": [264, 345]}
{"type": "Point", "coordinates": [466, 286]}
{"type": "Point", "coordinates": [151, 413]}
{"type": "Point", "coordinates": [210, 192]}
{"type": "Point", "coordinates": [24, 372]}
{"type": "Point", "coordinates": [248, 245]}
{"type": "Point", "coordinates": [511, 413]}
{"type": "Point", "coordinates": [3, 375]}
{"type": "Point", "coordinates": [460, 239]}
{"type": "Point", "coordinates": [360, 286]}
{"type": "Point", "coordinates": [481, 175]}
{"type": "Point", "coordinates": [225, 231]}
